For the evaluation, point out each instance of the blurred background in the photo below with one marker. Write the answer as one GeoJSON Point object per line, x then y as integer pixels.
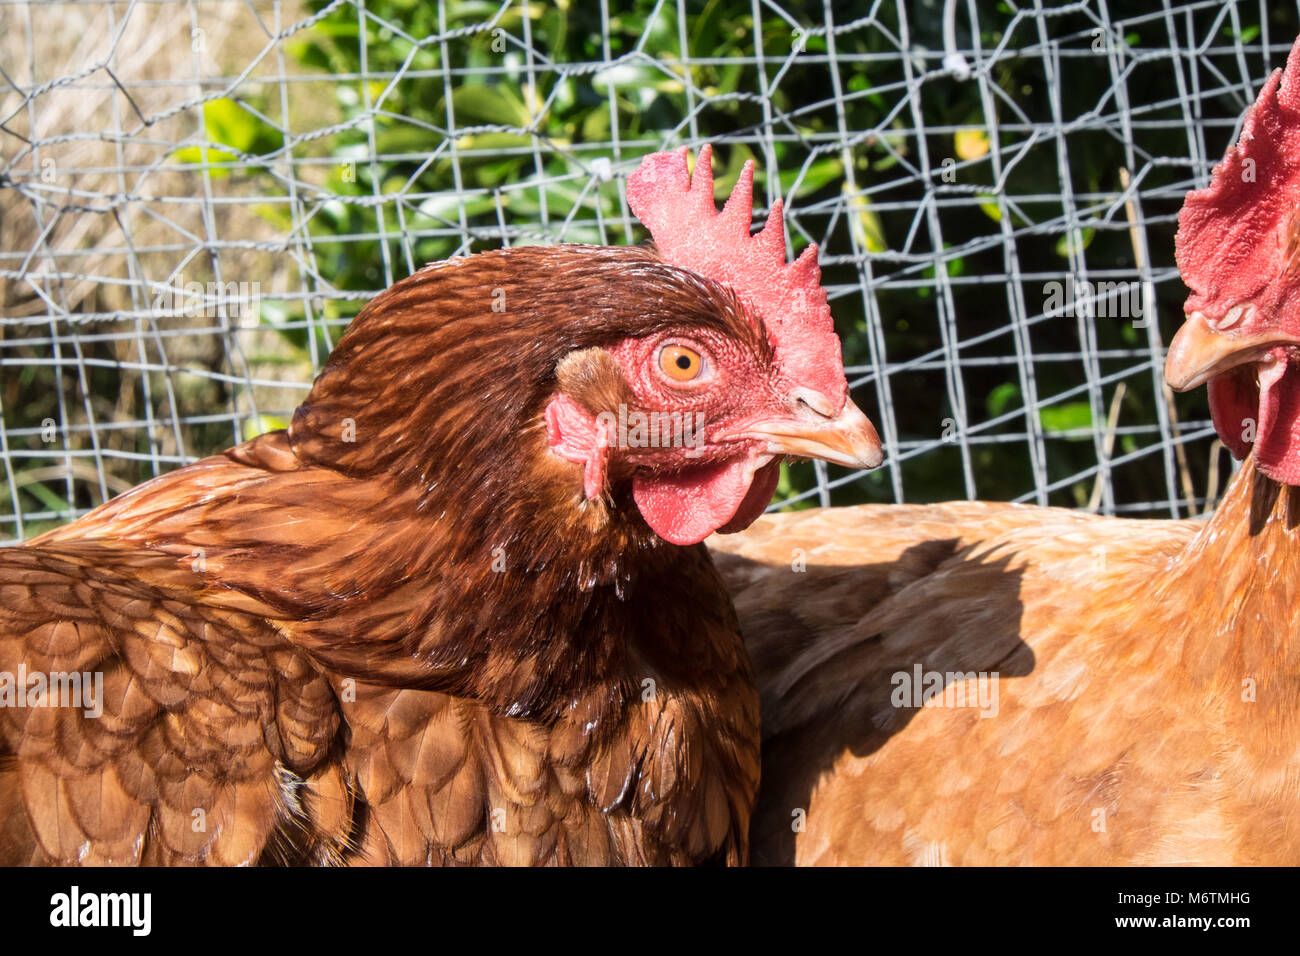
{"type": "Point", "coordinates": [197, 195]}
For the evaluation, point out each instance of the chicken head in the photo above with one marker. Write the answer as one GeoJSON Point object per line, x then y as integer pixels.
{"type": "Point", "coordinates": [1238, 249]}
{"type": "Point", "coordinates": [699, 419]}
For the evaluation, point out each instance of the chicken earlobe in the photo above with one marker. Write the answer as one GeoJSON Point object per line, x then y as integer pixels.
{"type": "Point", "coordinates": [576, 436]}
{"type": "Point", "coordinates": [590, 383]}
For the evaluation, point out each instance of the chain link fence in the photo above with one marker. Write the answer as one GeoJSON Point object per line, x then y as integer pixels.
{"type": "Point", "coordinates": [196, 196]}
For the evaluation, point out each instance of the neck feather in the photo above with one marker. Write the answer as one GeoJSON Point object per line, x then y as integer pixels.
{"type": "Point", "coordinates": [1237, 586]}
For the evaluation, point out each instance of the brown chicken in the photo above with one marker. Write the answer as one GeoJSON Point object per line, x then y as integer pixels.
{"type": "Point", "coordinates": [977, 683]}
{"type": "Point", "coordinates": [459, 611]}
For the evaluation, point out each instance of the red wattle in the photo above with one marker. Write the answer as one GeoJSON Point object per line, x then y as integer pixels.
{"type": "Point", "coordinates": [1277, 447]}
{"type": "Point", "coordinates": [759, 496]}
{"type": "Point", "coordinates": [688, 506]}
{"type": "Point", "coordinates": [1234, 404]}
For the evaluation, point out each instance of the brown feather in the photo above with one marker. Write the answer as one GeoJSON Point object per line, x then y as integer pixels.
{"type": "Point", "coordinates": [1123, 733]}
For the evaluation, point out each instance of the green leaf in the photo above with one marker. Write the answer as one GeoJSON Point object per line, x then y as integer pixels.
{"type": "Point", "coordinates": [817, 175]}
{"type": "Point", "coordinates": [261, 424]}
{"type": "Point", "coordinates": [52, 501]}
{"type": "Point", "coordinates": [405, 138]}
{"type": "Point", "coordinates": [1079, 239]}
{"type": "Point", "coordinates": [1002, 398]}
{"type": "Point", "coordinates": [1067, 417]}
{"type": "Point", "coordinates": [492, 143]}
{"type": "Point", "coordinates": [229, 123]}
{"type": "Point", "coordinates": [226, 122]}
{"type": "Point", "coordinates": [202, 156]}
{"type": "Point", "coordinates": [476, 104]}
{"type": "Point", "coordinates": [864, 223]}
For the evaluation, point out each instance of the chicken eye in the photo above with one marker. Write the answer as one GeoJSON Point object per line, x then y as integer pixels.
{"type": "Point", "coordinates": [680, 363]}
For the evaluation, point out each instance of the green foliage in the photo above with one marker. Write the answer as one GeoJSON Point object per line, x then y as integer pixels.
{"type": "Point", "coordinates": [232, 124]}
{"type": "Point", "coordinates": [1066, 417]}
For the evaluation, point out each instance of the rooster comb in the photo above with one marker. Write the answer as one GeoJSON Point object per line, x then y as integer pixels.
{"type": "Point", "coordinates": [1237, 238]}
{"type": "Point", "coordinates": [690, 232]}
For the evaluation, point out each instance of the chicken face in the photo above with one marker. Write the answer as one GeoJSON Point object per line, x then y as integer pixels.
{"type": "Point", "coordinates": [1238, 250]}
{"type": "Point", "coordinates": [699, 419]}
{"type": "Point", "coordinates": [734, 399]}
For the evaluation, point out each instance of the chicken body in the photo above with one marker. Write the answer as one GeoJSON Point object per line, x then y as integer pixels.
{"type": "Point", "coordinates": [397, 633]}
{"type": "Point", "coordinates": [1144, 710]}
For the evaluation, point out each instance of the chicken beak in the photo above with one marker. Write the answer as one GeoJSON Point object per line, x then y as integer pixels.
{"type": "Point", "coordinates": [1199, 353]}
{"type": "Point", "coordinates": [847, 439]}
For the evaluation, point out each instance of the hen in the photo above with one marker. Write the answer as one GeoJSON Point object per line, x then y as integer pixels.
{"type": "Point", "coordinates": [458, 611]}
{"type": "Point", "coordinates": [1146, 711]}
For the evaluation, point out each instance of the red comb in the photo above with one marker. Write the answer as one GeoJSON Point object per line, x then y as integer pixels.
{"type": "Point", "coordinates": [1232, 243]}
{"type": "Point", "coordinates": [689, 232]}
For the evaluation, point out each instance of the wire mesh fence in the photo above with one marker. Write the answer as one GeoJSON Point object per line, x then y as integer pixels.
{"type": "Point", "coordinates": [196, 196]}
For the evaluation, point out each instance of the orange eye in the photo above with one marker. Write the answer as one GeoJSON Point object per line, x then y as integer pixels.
{"type": "Point", "coordinates": [679, 363]}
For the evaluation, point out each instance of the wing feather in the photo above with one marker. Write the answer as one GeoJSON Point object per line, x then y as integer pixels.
{"type": "Point", "coordinates": [200, 712]}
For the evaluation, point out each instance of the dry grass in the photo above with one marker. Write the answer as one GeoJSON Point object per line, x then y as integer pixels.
{"type": "Point", "coordinates": [95, 217]}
